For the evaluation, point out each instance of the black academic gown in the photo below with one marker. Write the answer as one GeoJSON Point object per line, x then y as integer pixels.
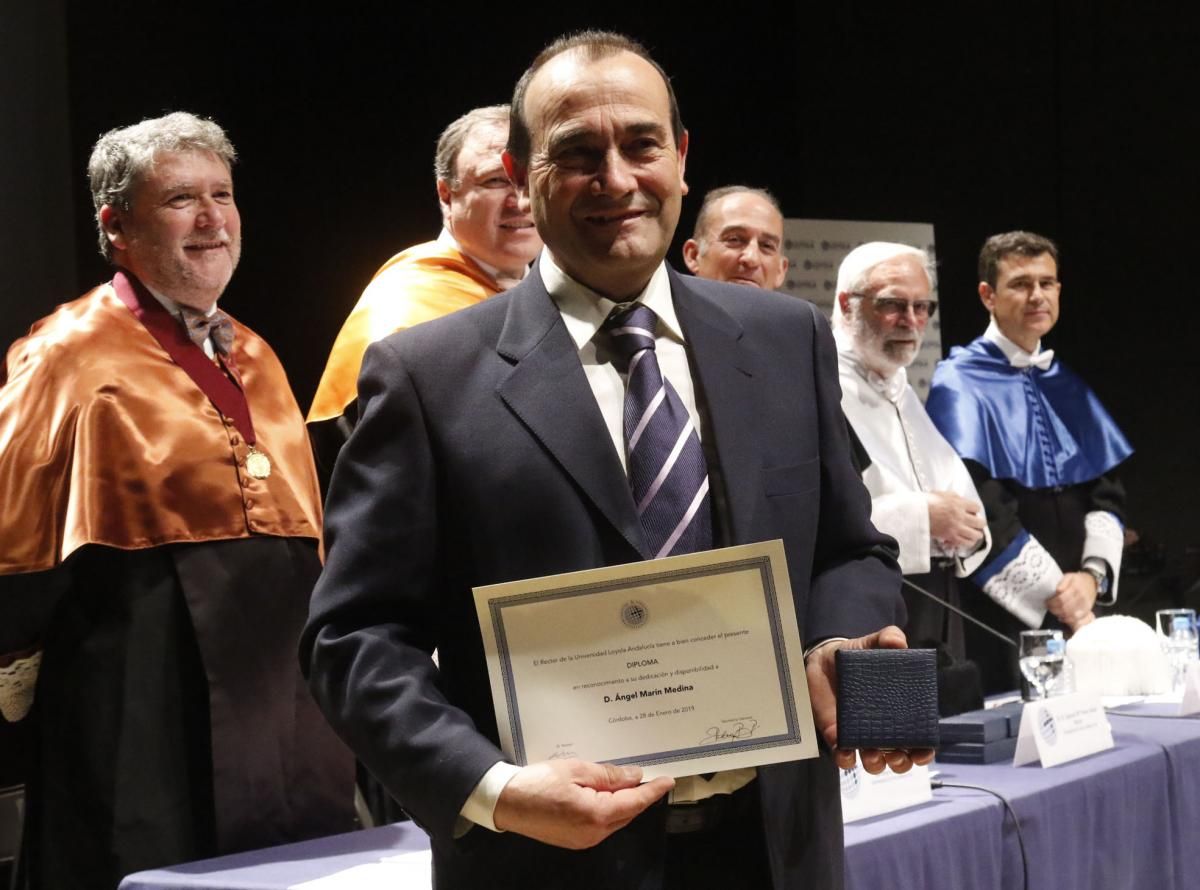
{"type": "Point", "coordinates": [166, 585]}
{"type": "Point", "coordinates": [171, 722]}
{"type": "Point", "coordinates": [1055, 517]}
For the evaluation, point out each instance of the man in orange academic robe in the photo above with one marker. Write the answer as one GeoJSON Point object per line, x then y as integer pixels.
{"type": "Point", "coordinates": [158, 544]}
{"type": "Point", "coordinates": [486, 245]}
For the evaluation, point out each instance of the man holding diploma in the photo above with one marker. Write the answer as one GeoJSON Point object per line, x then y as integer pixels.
{"type": "Point", "coordinates": [604, 411]}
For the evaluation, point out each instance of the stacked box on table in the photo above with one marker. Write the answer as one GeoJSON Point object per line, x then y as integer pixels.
{"type": "Point", "coordinates": [977, 752]}
{"type": "Point", "coordinates": [1013, 709]}
{"type": "Point", "coordinates": [985, 736]}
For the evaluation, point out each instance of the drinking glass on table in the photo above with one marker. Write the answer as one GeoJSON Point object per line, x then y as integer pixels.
{"type": "Point", "coordinates": [1043, 661]}
{"type": "Point", "coordinates": [1177, 631]}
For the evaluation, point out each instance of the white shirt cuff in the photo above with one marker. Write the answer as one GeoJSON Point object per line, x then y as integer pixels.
{"type": "Point", "coordinates": [966, 563]}
{"type": "Point", "coordinates": [1104, 540]}
{"type": "Point", "coordinates": [825, 642]}
{"type": "Point", "coordinates": [480, 807]}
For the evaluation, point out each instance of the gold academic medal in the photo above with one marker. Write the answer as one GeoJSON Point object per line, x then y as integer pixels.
{"type": "Point", "coordinates": [258, 464]}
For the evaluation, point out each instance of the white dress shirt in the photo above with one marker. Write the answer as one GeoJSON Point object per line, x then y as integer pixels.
{"type": "Point", "coordinates": [1018, 357]}
{"type": "Point", "coordinates": [583, 312]}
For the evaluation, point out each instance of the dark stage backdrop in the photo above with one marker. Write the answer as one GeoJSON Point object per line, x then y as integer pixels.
{"type": "Point", "coordinates": [1070, 118]}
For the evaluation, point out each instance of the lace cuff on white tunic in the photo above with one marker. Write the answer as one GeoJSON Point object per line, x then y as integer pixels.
{"type": "Point", "coordinates": [1023, 583]}
{"type": "Point", "coordinates": [17, 683]}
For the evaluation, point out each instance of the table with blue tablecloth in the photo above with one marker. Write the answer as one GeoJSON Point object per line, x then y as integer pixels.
{"type": "Point", "coordinates": [1124, 818]}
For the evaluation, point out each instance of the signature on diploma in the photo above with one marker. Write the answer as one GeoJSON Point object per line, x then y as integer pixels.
{"type": "Point", "coordinates": [562, 755]}
{"type": "Point", "coordinates": [742, 728]}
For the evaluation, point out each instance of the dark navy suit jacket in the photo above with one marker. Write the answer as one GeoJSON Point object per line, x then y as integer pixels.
{"type": "Point", "coordinates": [480, 457]}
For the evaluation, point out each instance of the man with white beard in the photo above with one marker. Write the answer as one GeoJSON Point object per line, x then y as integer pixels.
{"type": "Point", "coordinates": [921, 493]}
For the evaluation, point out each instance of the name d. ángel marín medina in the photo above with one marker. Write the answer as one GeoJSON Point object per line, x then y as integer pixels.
{"type": "Point", "coordinates": [647, 693]}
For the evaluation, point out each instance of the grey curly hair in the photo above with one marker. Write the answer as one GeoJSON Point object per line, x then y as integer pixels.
{"type": "Point", "coordinates": [122, 156]}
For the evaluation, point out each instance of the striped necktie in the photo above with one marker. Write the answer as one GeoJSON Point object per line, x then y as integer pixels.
{"type": "Point", "coordinates": [663, 455]}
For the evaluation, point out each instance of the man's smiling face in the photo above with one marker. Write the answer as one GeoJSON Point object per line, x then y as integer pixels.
{"type": "Point", "coordinates": [1024, 301]}
{"type": "Point", "coordinates": [181, 234]}
{"type": "Point", "coordinates": [742, 243]}
{"type": "Point", "coordinates": [481, 209]}
{"type": "Point", "coordinates": [605, 176]}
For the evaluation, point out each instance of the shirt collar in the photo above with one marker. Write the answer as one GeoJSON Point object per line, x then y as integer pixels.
{"type": "Point", "coordinates": [584, 311]}
{"type": "Point", "coordinates": [446, 239]}
{"type": "Point", "coordinates": [1011, 350]}
{"type": "Point", "coordinates": [173, 307]}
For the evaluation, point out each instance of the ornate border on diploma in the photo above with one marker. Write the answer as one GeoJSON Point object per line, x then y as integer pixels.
{"type": "Point", "coordinates": [762, 564]}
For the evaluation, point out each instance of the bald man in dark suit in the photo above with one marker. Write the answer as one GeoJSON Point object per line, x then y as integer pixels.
{"type": "Point", "coordinates": [490, 449]}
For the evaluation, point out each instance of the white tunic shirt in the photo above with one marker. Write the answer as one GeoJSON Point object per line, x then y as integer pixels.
{"type": "Point", "coordinates": [909, 458]}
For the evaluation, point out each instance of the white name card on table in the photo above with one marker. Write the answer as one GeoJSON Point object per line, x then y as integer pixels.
{"type": "Point", "coordinates": [865, 795]}
{"type": "Point", "coordinates": [1191, 691]}
{"type": "Point", "coordinates": [1062, 729]}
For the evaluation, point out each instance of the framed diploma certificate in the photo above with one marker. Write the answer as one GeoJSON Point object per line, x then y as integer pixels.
{"type": "Point", "coordinates": [685, 665]}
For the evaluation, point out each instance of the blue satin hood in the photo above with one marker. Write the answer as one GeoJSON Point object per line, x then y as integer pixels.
{"type": "Point", "coordinates": [1040, 428]}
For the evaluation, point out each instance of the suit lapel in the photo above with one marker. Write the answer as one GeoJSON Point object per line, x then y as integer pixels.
{"type": "Point", "coordinates": [548, 392]}
{"type": "Point", "coordinates": [722, 363]}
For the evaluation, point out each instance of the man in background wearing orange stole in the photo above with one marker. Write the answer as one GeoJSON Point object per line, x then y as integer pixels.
{"type": "Point", "coordinates": [486, 245]}
{"type": "Point", "coordinates": [158, 544]}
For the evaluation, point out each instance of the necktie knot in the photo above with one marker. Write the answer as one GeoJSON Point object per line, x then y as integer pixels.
{"type": "Point", "coordinates": [631, 330]}
{"type": "Point", "coordinates": [201, 326]}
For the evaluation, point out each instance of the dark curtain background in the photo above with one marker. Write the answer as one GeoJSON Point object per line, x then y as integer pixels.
{"type": "Point", "coordinates": [1075, 119]}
